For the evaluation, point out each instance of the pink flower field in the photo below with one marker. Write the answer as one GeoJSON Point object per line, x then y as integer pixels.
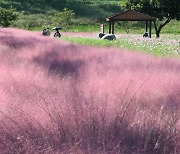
{"type": "Point", "coordinates": [59, 97]}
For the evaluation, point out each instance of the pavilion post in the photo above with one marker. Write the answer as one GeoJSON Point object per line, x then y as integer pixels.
{"type": "Point", "coordinates": [110, 27]}
{"type": "Point", "coordinates": [150, 29]}
{"type": "Point", "coordinates": [146, 26]}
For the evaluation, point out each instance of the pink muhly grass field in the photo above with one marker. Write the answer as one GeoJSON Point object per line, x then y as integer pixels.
{"type": "Point", "coordinates": [58, 97]}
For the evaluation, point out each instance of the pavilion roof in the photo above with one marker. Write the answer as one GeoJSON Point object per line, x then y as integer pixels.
{"type": "Point", "coordinates": [130, 15]}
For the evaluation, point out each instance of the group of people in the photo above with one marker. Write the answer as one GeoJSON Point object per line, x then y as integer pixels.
{"type": "Point", "coordinates": [46, 32]}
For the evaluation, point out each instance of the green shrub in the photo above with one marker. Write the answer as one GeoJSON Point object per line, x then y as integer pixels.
{"type": "Point", "coordinates": [64, 18]}
{"type": "Point", "coordinates": [7, 17]}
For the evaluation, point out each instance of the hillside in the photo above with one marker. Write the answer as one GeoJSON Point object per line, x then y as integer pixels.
{"type": "Point", "coordinates": [88, 10]}
{"type": "Point", "coordinates": [35, 14]}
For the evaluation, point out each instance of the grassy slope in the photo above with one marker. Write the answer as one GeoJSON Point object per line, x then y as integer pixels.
{"type": "Point", "coordinates": [46, 9]}
{"type": "Point", "coordinates": [168, 45]}
{"type": "Point", "coordinates": [36, 14]}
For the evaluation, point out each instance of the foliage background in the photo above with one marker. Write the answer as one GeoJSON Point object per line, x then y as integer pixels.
{"type": "Point", "coordinates": [89, 14]}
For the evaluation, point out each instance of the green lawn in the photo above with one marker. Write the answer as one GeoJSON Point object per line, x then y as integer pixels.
{"type": "Point", "coordinates": [167, 45]}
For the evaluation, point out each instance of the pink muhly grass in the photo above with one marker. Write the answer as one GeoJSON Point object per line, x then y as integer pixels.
{"type": "Point", "coordinates": [61, 97]}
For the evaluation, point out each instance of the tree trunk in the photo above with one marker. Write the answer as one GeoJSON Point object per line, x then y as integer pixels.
{"type": "Point", "coordinates": [158, 29]}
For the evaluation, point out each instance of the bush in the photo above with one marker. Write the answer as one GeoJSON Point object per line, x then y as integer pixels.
{"type": "Point", "coordinates": [64, 18]}
{"type": "Point", "coordinates": [7, 16]}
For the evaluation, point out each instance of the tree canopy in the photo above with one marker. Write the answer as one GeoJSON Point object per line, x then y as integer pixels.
{"type": "Point", "coordinates": [163, 10]}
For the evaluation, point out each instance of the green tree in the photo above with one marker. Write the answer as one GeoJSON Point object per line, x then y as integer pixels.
{"type": "Point", "coordinates": [7, 17]}
{"type": "Point", "coordinates": [163, 10]}
{"type": "Point", "coordinates": [64, 18]}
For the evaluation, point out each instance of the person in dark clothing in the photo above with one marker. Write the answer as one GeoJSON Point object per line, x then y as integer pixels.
{"type": "Point", "coordinates": [57, 33]}
{"type": "Point", "coordinates": [145, 34]}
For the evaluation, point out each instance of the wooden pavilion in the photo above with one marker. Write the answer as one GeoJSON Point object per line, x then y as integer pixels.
{"type": "Point", "coordinates": [130, 15]}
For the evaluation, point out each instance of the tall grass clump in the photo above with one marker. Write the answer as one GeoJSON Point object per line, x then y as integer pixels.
{"type": "Point", "coordinates": [58, 97]}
